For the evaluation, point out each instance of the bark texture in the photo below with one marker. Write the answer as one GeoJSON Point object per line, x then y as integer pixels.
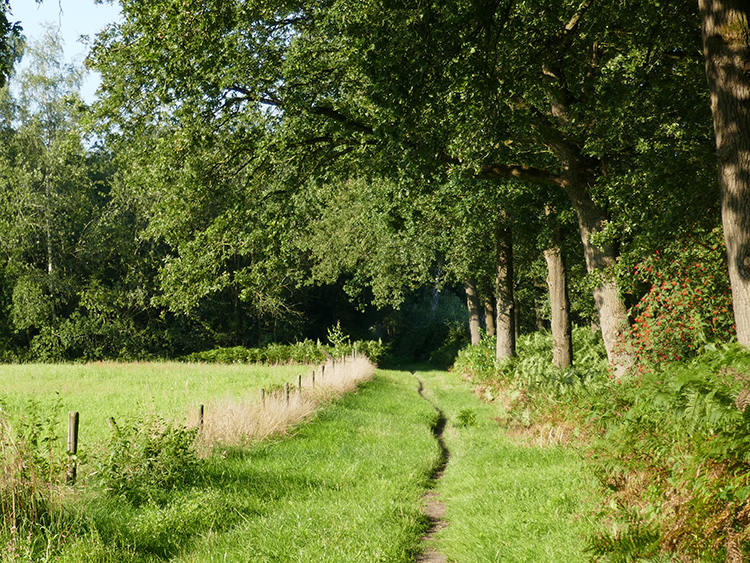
{"type": "Point", "coordinates": [472, 303]}
{"type": "Point", "coordinates": [489, 316]}
{"type": "Point", "coordinates": [613, 315]}
{"type": "Point", "coordinates": [505, 317]}
{"type": "Point", "coordinates": [557, 284]}
{"type": "Point", "coordinates": [726, 47]}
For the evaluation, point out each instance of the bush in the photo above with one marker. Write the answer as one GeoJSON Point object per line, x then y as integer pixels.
{"type": "Point", "coordinates": [305, 352]}
{"type": "Point", "coordinates": [672, 459]}
{"type": "Point", "coordinates": [149, 459]}
{"type": "Point", "coordinates": [687, 304]}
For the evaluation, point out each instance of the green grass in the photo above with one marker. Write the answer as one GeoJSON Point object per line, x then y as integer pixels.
{"type": "Point", "coordinates": [345, 488]}
{"type": "Point", "coordinates": [127, 390]}
{"type": "Point", "coordinates": [505, 502]}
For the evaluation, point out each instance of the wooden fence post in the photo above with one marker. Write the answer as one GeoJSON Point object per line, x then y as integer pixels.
{"type": "Point", "coordinates": [70, 477]}
{"type": "Point", "coordinates": [286, 390]}
{"type": "Point", "coordinates": [263, 398]}
{"type": "Point", "coordinates": [312, 374]}
{"type": "Point", "coordinates": [200, 418]}
{"type": "Point", "coordinates": [299, 383]}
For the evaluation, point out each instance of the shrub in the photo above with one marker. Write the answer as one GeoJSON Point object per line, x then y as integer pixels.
{"type": "Point", "coordinates": [305, 352]}
{"type": "Point", "coordinates": [687, 301]}
{"type": "Point", "coordinates": [672, 460]}
{"type": "Point", "coordinates": [150, 458]}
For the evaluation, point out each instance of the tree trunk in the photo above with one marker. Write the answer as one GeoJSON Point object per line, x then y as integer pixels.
{"type": "Point", "coordinates": [557, 283]}
{"type": "Point", "coordinates": [472, 303]}
{"type": "Point", "coordinates": [726, 47]}
{"type": "Point", "coordinates": [613, 316]}
{"type": "Point", "coordinates": [489, 316]}
{"type": "Point", "coordinates": [505, 317]}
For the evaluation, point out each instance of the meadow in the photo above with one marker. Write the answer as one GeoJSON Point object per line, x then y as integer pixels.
{"type": "Point", "coordinates": [127, 391]}
{"type": "Point", "coordinates": [347, 485]}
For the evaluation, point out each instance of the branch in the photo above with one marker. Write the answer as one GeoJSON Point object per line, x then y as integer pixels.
{"type": "Point", "coordinates": [341, 118]}
{"type": "Point", "coordinates": [518, 172]}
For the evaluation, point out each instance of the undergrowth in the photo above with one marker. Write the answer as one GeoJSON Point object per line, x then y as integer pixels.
{"type": "Point", "coordinates": [305, 352]}
{"type": "Point", "coordinates": [538, 401]}
{"type": "Point", "coordinates": [670, 446]}
{"type": "Point", "coordinates": [672, 451]}
{"type": "Point", "coordinates": [32, 469]}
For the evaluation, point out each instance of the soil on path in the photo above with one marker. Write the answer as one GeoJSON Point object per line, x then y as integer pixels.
{"type": "Point", "coordinates": [434, 508]}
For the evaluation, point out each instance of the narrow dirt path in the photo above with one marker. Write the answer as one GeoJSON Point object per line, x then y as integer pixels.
{"type": "Point", "coordinates": [434, 507]}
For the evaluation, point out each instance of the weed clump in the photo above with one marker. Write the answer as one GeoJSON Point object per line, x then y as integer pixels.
{"type": "Point", "coordinates": [150, 458]}
{"type": "Point", "coordinates": [32, 470]}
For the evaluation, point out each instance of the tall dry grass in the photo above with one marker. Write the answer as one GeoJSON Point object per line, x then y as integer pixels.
{"type": "Point", "coordinates": [30, 492]}
{"type": "Point", "coordinates": [237, 423]}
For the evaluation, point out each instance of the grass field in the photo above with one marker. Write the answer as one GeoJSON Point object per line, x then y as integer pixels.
{"type": "Point", "coordinates": [344, 487]}
{"type": "Point", "coordinates": [127, 390]}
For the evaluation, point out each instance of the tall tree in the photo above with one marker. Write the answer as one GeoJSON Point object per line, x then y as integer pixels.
{"type": "Point", "coordinates": [537, 90]}
{"type": "Point", "coordinates": [725, 26]}
{"type": "Point", "coordinates": [472, 304]}
{"type": "Point", "coordinates": [557, 284]}
{"type": "Point", "coordinates": [11, 42]}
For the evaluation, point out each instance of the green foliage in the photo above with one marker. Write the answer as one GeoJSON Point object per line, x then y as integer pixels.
{"type": "Point", "coordinates": [478, 361]}
{"type": "Point", "coordinates": [455, 339]}
{"type": "Point", "coordinates": [670, 453]}
{"type": "Point", "coordinates": [532, 369]}
{"type": "Point", "coordinates": [336, 336]}
{"type": "Point", "coordinates": [532, 392]}
{"type": "Point", "coordinates": [305, 352]}
{"type": "Point", "coordinates": [150, 459]}
{"type": "Point", "coordinates": [466, 417]}
{"type": "Point", "coordinates": [688, 304]}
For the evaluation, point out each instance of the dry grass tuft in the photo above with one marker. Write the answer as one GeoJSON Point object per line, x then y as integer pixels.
{"type": "Point", "coordinates": [28, 489]}
{"type": "Point", "coordinates": [238, 423]}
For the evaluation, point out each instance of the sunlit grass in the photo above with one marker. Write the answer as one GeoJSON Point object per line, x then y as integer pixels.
{"type": "Point", "coordinates": [505, 501]}
{"type": "Point", "coordinates": [344, 488]}
{"type": "Point", "coordinates": [125, 391]}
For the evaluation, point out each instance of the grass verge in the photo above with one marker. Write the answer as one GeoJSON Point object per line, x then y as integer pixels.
{"type": "Point", "coordinates": [346, 487]}
{"type": "Point", "coordinates": [505, 501]}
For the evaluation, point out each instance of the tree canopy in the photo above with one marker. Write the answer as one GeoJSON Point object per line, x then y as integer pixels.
{"type": "Point", "coordinates": [254, 151]}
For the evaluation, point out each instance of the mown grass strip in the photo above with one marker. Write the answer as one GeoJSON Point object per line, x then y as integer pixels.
{"type": "Point", "coordinates": [505, 502]}
{"type": "Point", "coordinates": [345, 488]}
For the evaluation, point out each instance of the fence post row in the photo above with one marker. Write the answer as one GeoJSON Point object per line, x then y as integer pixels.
{"type": "Point", "coordinates": [74, 418]}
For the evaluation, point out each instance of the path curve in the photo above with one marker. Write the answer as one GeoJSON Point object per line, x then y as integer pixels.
{"type": "Point", "coordinates": [434, 507]}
